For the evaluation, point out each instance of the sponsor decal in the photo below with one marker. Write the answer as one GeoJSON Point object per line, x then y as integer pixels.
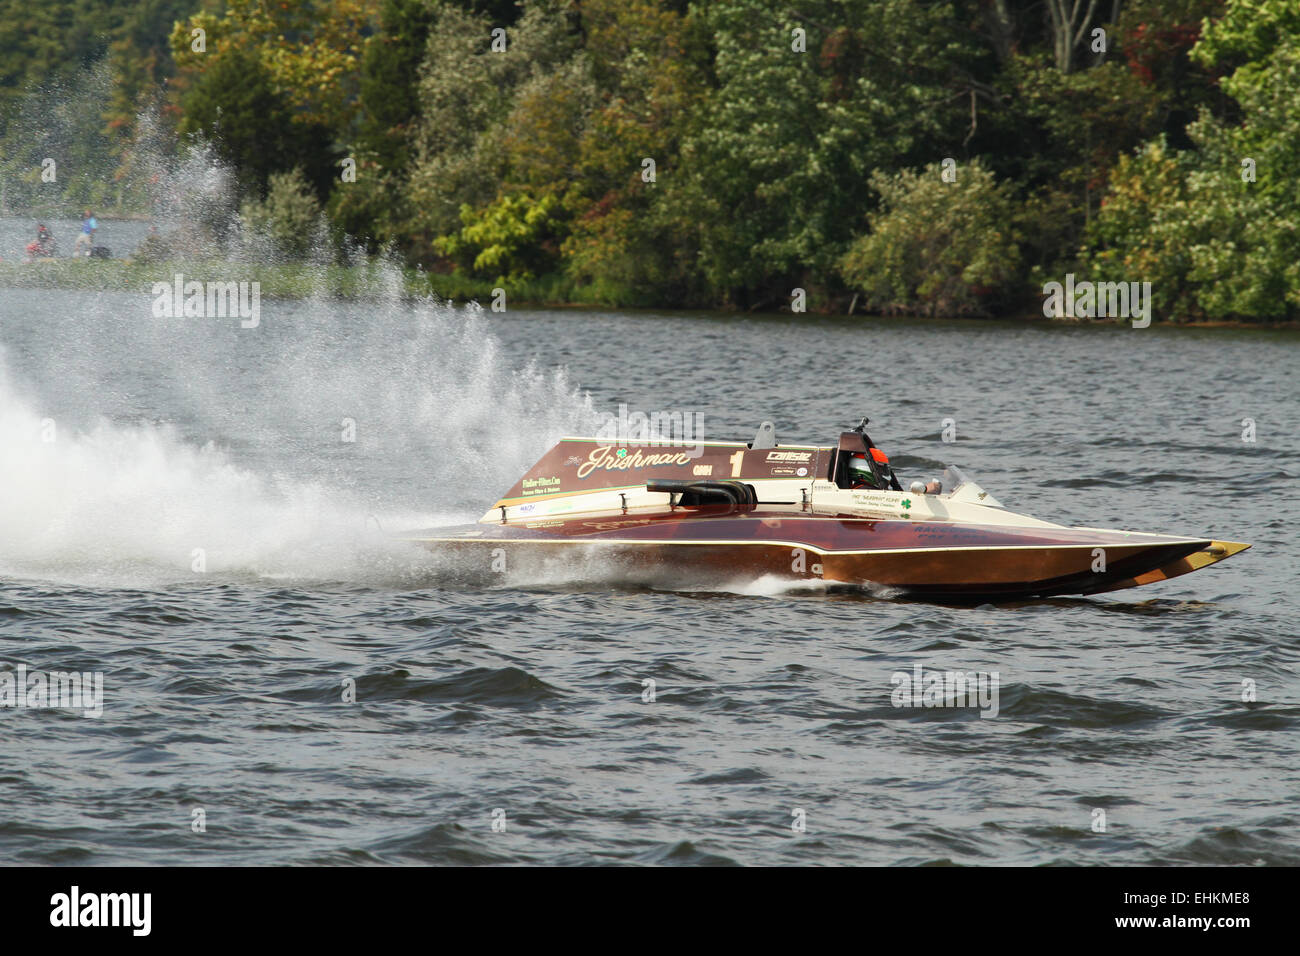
{"type": "Point", "coordinates": [954, 534]}
{"type": "Point", "coordinates": [790, 456]}
{"type": "Point", "coordinates": [802, 472]}
{"type": "Point", "coordinates": [527, 508]}
{"type": "Point", "coordinates": [702, 470]}
{"type": "Point", "coordinates": [786, 471]}
{"type": "Point", "coordinates": [540, 486]}
{"type": "Point", "coordinates": [883, 501]}
{"type": "Point", "coordinates": [605, 458]}
{"type": "Point", "coordinates": [878, 499]}
{"type": "Point", "coordinates": [573, 460]}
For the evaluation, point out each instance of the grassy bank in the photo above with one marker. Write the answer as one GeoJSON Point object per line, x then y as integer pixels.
{"type": "Point", "coordinates": [369, 280]}
{"type": "Point", "coordinates": [293, 280]}
{"type": "Point", "coordinates": [298, 281]}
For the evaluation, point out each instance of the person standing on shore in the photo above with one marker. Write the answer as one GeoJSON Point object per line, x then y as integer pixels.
{"type": "Point", "coordinates": [87, 237]}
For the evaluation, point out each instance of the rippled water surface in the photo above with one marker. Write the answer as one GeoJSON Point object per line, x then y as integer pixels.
{"type": "Point", "coordinates": [178, 511]}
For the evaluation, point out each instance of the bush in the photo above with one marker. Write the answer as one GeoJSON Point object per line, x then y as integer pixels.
{"type": "Point", "coordinates": [290, 216]}
{"type": "Point", "coordinates": [515, 237]}
{"type": "Point", "coordinates": [935, 247]}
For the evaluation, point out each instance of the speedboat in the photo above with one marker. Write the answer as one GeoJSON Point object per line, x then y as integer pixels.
{"type": "Point", "coordinates": [722, 511]}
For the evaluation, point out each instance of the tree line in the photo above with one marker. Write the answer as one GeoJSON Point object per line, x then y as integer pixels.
{"type": "Point", "coordinates": [943, 158]}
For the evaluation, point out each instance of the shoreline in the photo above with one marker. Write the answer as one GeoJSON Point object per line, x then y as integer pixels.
{"type": "Point", "coordinates": [300, 280]}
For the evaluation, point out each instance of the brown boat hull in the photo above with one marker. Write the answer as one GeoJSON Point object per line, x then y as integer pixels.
{"type": "Point", "coordinates": [926, 559]}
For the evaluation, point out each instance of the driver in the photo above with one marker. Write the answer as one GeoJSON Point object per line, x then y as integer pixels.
{"type": "Point", "coordinates": [861, 474]}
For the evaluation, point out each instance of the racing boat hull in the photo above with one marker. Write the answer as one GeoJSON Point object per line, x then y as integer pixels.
{"type": "Point", "coordinates": [785, 516]}
{"type": "Point", "coordinates": [912, 558]}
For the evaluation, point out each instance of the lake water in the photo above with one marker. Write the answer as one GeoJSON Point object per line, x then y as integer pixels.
{"type": "Point", "coordinates": [179, 512]}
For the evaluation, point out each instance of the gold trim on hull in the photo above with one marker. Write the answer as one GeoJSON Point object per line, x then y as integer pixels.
{"type": "Point", "coordinates": [1216, 552]}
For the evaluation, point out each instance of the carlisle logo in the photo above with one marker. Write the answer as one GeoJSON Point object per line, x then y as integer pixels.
{"type": "Point", "coordinates": [792, 456]}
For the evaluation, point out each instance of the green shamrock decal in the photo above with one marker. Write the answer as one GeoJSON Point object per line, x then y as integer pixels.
{"type": "Point", "coordinates": [906, 503]}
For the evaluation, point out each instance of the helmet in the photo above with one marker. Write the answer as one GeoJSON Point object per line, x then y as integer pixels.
{"type": "Point", "coordinates": [860, 469]}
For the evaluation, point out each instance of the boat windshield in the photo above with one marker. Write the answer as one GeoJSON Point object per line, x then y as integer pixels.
{"type": "Point", "coordinates": [953, 478]}
{"type": "Point", "coordinates": [960, 487]}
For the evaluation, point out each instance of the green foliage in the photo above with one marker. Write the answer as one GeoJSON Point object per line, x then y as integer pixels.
{"type": "Point", "coordinates": [141, 57]}
{"type": "Point", "coordinates": [777, 159]}
{"type": "Point", "coordinates": [467, 94]}
{"type": "Point", "coordinates": [1090, 116]}
{"type": "Point", "coordinates": [235, 105]}
{"type": "Point", "coordinates": [374, 209]}
{"type": "Point", "coordinates": [389, 89]}
{"type": "Point", "coordinates": [290, 215]}
{"type": "Point", "coordinates": [935, 247]}
{"type": "Point", "coordinates": [63, 122]}
{"type": "Point", "coordinates": [48, 48]}
{"type": "Point", "coordinates": [391, 201]}
{"type": "Point", "coordinates": [1248, 33]}
{"type": "Point", "coordinates": [1213, 243]}
{"type": "Point", "coordinates": [1207, 242]}
{"type": "Point", "coordinates": [513, 237]}
{"type": "Point", "coordinates": [775, 165]}
{"type": "Point", "coordinates": [627, 243]}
